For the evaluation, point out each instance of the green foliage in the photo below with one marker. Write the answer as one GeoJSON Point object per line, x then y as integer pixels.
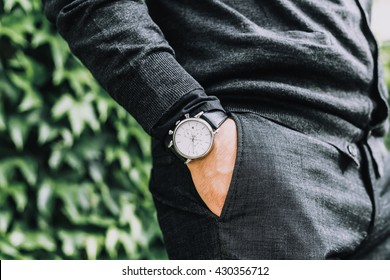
{"type": "Point", "coordinates": [74, 166]}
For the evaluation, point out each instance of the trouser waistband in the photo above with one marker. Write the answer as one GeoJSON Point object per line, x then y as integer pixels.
{"type": "Point", "coordinates": [326, 127]}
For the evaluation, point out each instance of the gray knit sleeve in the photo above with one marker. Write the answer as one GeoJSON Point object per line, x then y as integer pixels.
{"type": "Point", "coordinates": [127, 53]}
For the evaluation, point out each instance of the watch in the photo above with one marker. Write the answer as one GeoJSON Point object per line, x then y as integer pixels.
{"type": "Point", "coordinates": [193, 137]}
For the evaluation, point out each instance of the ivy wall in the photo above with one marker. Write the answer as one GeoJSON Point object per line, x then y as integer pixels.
{"type": "Point", "coordinates": [74, 165]}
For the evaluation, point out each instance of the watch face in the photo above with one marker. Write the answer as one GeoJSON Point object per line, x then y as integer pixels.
{"type": "Point", "coordinates": [193, 138]}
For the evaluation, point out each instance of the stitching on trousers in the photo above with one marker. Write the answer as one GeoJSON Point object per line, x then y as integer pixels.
{"type": "Point", "coordinates": [228, 206]}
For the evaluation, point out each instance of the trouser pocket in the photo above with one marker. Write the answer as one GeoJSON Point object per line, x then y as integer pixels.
{"type": "Point", "coordinates": [171, 182]}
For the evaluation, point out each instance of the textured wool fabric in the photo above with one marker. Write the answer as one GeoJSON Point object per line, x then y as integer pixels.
{"type": "Point", "coordinates": [303, 77]}
{"type": "Point", "coordinates": [292, 196]}
{"type": "Point", "coordinates": [320, 53]}
{"type": "Point", "coordinates": [309, 63]}
{"type": "Point", "coordinates": [377, 244]}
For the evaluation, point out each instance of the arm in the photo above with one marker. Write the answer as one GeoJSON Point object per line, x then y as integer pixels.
{"type": "Point", "coordinates": [127, 53]}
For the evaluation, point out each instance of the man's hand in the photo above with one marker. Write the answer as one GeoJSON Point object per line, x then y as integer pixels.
{"type": "Point", "coordinates": [213, 173]}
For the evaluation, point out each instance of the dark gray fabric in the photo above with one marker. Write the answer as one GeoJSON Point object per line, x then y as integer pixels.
{"type": "Point", "coordinates": [377, 244]}
{"type": "Point", "coordinates": [324, 126]}
{"type": "Point", "coordinates": [128, 54]}
{"type": "Point", "coordinates": [316, 54]}
{"type": "Point", "coordinates": [311, 67]}
{"type": "Point", "coordinates": [292, 196]}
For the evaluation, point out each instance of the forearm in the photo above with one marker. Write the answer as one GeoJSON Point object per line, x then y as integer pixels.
{"type": "Point", "coordinates": [128, 54]}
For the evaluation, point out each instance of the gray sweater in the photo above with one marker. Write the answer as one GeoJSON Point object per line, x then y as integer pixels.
{"type": "Point", "coordinates": [309, 64]}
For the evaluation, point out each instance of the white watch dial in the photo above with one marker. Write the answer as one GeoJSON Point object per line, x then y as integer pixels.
{"type": "Point", "coordinates": [193, 138]}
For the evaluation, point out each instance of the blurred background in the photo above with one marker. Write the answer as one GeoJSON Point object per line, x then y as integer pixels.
{"type": "Point", "coordinates": [74, 166]}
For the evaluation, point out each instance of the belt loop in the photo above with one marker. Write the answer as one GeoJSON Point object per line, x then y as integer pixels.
{"type": "Point", "coordinates": [367, 135]}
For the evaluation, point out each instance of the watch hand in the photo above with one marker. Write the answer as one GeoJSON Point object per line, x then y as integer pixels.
{"type": "Point", "coordinates": [189, 146]}
{"type": "Point", "coordinates": [200, 140]}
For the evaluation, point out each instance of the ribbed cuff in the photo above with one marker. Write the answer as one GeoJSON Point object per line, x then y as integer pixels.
{"type": "Point", "coordinates": [191, 103]}
{"type": "Point", "coordinates": [157, 84]}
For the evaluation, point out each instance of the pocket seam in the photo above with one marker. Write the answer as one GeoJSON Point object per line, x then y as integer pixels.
{"type": "Point", "coordinates": [232, 190]}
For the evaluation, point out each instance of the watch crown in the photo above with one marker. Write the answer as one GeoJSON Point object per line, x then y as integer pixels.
{"type": "Point", "coordinates": [187, 116]}
{"type": "Point", "coordinates": [170, 132]}
{"type": "Point", "coordinates": [170, 144]}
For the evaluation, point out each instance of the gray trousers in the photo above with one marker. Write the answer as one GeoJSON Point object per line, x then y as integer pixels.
{"type": "Point", "coordinates": [292, 196]}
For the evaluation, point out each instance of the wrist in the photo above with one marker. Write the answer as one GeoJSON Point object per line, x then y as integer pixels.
{"type": "Point", "coordinates": [221, 146]}
{"type": "Point", "coordinates": [193, 137]}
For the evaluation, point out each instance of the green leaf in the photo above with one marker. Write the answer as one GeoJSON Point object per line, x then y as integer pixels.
{"type": "Point", "coordinates": [67, 137]}
{"type": "Point", "coordinates": [62, 106]}
{"type": "Point", "coordinates": [111, 242]}
{"type": "Point", "coordinates": [17, 238]}
{"type": "Point", "coordinates": [18, 129]}
{"type": "Point", "coordinates": [128, 244]}
{"type": "Point", "coordinates": [108, 200]}
{"type": "Point", "coordinates": [44, 198]}
{"type": "Point", "coordinates": [3, 176]}
{"type": "Point", "coordinates": [40, 37]}
{"type": "Point", "coordinates": [103, 110]}
{"type": "Point", "coordinates": [69, 243]}
{"type": "Point", "coordinates": [33, 240]}
{"type": "Point", "coordinates": [79, 79]}
{"type": "Point", "coordinates": [128, 216]}
{"type": "Point", "coordinates": [19, 195]}
{"type": "Point", "coordinates": [25, 4]}
{"type": "Point", "coordinates": [80, 115]}
{"type": "Point", "coordinates": [28, 168]}
{"type": "Point", "coordinates": [93, 246]}
{"type": "Point", "coordinates": [31, 70]}
{"type": "Point", "coordinates": [76, 120]}
{"type": "Point", "coordinates": [3, 125]}
{"type": "Point", "coordinates": [83, 196]}
{"type": "Point", "coordinates": [142, 139]}
{"type": "Point", "coordinates": [15, 37]}
{"type": "Point", "coordinates": [46, 133]}
{"type": "Point", "coordinates": [25, 165]}
{"type": "Point", "coordinates": [96, 172]}
{"type": "Point", "coordinates": [30, 101]}
{"type": "Point", "coordinates": [124, 159]}
{"type": "Point", "coordinates": [9, 250]}
{"type": "Point", "coordinates": [8, 90]}
{"type": "Point", "coordinates": [20, 81]}
{"type": "Point", "coordinates": [5, 219]}
{"type": "Point", "coordinates": [55, 159]}
{"type": "Point", "coordinates": [74, 161]}
{"type": "Point", "coordinates": [60, 53]}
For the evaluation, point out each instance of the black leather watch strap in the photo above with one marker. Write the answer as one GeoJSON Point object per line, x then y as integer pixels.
{"type": "Point", "coordinates": [215, 118]}
{"type": "Point", "coordinates": [169, 145]}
